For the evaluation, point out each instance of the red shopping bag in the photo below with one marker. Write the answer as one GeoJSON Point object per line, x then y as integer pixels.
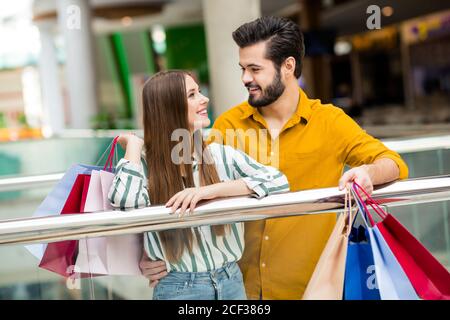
{"type": "Point", "coordinates": [60, 256]}
{"type": "Point", "coordinates": [430, 279]}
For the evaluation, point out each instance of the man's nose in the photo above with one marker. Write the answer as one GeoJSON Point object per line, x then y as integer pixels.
{"type": "Point", "coordinates": [247, 78]}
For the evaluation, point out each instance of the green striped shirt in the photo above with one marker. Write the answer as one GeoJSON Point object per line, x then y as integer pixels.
{"type": "Point", "coordinates": [129, 191]}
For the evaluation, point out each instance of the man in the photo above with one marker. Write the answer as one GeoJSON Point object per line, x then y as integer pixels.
{"type": "Point", "coordinates": [314, 142]}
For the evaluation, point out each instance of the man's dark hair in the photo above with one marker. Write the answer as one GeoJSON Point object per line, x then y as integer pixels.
{"type": "Point", "coordinates": [284, 39]}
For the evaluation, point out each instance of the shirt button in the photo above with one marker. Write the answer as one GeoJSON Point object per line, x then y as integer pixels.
{"type": "Point", "coordinates": [266, 237]}
{"type": "Point", "coordinates": [263, 265]}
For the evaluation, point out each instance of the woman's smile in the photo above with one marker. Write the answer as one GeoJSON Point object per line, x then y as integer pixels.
{"type": "Point", "coordinates": [203, 112]}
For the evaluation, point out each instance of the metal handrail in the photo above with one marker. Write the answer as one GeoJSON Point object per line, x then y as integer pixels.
{"type": "Point", "coordinates": [418, 144]}
{"type": "Point", "coordinates": [398, 145]}
{"type": "Point", "coordinates": [19, 183]}
{"type": "Point", "coordinates": [157, 218]}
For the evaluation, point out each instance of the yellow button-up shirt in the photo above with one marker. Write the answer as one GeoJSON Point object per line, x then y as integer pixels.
{"type": "Point", "coordinates": [311, 150]}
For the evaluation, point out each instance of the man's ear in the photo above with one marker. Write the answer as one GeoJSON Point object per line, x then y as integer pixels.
{"type": "Point", "coordinates": [289, 66]}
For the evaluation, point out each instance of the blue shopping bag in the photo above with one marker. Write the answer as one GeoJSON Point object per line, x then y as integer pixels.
{"type": "Point", "coordinates": [360, 281]}
{"type": "Point", "coordinates": [392, 281]}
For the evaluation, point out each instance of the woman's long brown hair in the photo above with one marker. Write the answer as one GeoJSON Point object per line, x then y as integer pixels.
{"type": "Point", "coordinates": [165, 109]}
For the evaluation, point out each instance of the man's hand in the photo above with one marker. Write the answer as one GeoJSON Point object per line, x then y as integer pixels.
{"type": "Point", "coordinates": [152, 270]}
{"type": "Point", "coordinates": [360, 175]}
{"type": "Point", "coordinates": [381, 171]}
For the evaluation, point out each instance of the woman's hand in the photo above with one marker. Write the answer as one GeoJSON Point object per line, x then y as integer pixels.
{"type": "Point", "coordinates": [126, 138]}
{"type": "Point", "coordinates": [189, 197]}
{"type": "Point", "coordinates": [132, 145]}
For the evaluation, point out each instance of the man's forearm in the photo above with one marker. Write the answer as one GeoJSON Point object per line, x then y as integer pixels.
{"type": "Point", "coordinates": [382, 171]}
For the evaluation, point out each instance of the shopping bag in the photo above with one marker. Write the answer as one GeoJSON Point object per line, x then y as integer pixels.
{"type": "Point", "coordinates": [393, 284]}
{"type": "Point", "coordinates": [67, 196]}
{"type": "Point", "coordinates": [327, 280]}
{"type": "Point", "coordinates": [59, 257]}
{"type": "Point", "coordinates": [94, 194]}
{"type": "Point", "coordinates": [106, 180]}
{"type": "Point", "coordinates": [55, 201]}
{"type": "Point", "coordinates": [112, 255]}
{"type": "Point", "coordinates": [91, 256]}
{"type": "Point", "coordinates": [430, 279]}
{"type": "Point", "coordinates": [360, 278]}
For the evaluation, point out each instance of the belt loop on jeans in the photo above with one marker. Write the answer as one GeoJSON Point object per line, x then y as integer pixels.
{"type": "Point", "coordinates": [192, 279]}
{"type": "Point", "coordinates": [213, 276]}
{"type": "Point", "coordinates": [227, 270]}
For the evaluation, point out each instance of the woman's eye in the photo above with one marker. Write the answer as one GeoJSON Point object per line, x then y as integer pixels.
{"type": "Point", "coordinates": [191, 95]}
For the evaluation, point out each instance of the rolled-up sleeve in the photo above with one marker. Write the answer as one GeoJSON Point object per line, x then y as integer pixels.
{"type": "Point", "coordinates": [129, 187]}
{"type": "Point", "coordinates": [356, 147]}
{"type": "Point", "coordinates": [263, 180]}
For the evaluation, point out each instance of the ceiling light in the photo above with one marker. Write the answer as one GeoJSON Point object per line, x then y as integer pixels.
{"type": "Point", "coordinates": [126, 21]}
{"type": "Point", "coordinates": [387, 11]}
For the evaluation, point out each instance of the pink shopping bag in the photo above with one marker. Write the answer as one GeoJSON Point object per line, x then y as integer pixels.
{"type": "Point", "coordinates": [113, 255]}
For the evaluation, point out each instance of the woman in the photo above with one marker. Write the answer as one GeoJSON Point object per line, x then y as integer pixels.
{"type": "Point", "coordinates": [201, 261]}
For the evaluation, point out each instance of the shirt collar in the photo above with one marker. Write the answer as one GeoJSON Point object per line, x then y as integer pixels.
{"type": "Point", "coordinates": [304, 106]}
{"type": "Point", "coordinates": [303, 109]}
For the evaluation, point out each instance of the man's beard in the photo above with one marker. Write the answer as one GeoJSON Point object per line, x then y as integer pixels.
{"type": "Point", "coordinates": [270, 94]}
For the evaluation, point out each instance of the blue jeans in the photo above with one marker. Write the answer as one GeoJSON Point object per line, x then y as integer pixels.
{"type": "Point", "coordinates": [221, 284]}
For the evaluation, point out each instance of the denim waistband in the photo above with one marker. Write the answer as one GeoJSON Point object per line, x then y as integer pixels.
{"type": "Point", "coordinates": [225, 272]}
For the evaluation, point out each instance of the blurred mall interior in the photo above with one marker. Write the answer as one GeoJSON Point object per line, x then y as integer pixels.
{"type": "Point", "coordinates": [71, 74]}
{"type": "Point", "coordinates": [53, 79]}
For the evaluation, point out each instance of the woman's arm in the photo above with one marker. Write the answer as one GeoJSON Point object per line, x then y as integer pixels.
{"type": "Point", "coordinates": [128, 190]}
{"type": "Point", "coordinates": [133, 147]}
{"type": "Point", "coordinates": [189, 197]}
{"type": "Point", "coordinates": [231, 188]}
{"type": "Point", "coordinates": [251, 178]}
